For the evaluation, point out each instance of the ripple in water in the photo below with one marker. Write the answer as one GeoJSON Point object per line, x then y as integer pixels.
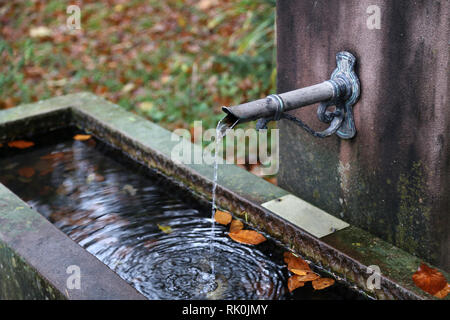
{"type": "Point", "coordinates": [114, 213]}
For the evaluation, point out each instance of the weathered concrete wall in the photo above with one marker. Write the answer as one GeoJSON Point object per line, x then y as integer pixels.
{"type": "Point", "coordinates": [393, 179]}
{"type": "Point", "coordinates": [19, 281]}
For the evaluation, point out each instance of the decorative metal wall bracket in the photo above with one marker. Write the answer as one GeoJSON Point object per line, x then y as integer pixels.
{"type": "Point", "coordinates": [341, 91]}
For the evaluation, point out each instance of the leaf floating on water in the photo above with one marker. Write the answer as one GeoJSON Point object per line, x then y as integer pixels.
{"type": "Point", "coordinates": [247, 237]}
{"type": "Point", "coordinates": [82, 137]}
{"type": "Point", "coordinates": [236, 225]}
{"type": "Point", "coordinates": [53, 156]}
{"type": "Point", "coordinates": [294, 262]}
{"type": "Point", "coordinates": [165, 229]}
{"type": "Point", "coordinates": [222, 217]}
{"type": "Point", "coordinates": [129, 189]}
{"type": "Point", "coordinates": [322, 283]}
{"type": "Point", "coordinates": [26, 172]}
{"type": "Point", "coordinates": [20, 144]}
{"type": "Point", "coordinates": [429, 280]}
{"type": "Point", "coordinates": [94, 177]}
{"type": "Point", "coordinates": [90, 178]}
{"type": "Point", "coordinates": [443, 293]}
{"type": "Point", "coordinates": [294, 283]}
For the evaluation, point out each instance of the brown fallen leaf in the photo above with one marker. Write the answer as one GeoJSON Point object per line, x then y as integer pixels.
{"type": "Point", "coordinates": [26, 172]}
{"type": "Point", "coordinates": [429, 280]}
{"type": "Point", "coordinates": [443, 293]}
{"type": "Point", "coordinates": [236, 225]}
{"type": "Point", "coordinates": [322, 283]}
{"type": "Point", "coordinates": [222, 217]}
{"type": "Point", "coordinates": [309, 276]}
{"type": "Point", "coordinates": [294, 283]}
{"type": "Point", "coordinates": [20, 144]}
{"type": "Point", "coordinates": [294, 262]}
{"type": "Point", "coordinates": [82, 137]}
{"type": "Point", "coordinates": [247, 237]}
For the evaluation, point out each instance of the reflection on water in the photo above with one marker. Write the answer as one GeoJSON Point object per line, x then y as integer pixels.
{"type": "Point", "coordinates": [143, 227]}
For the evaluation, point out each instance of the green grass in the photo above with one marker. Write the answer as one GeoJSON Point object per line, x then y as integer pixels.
{"type": "Point", "coordinates": [198, 61]}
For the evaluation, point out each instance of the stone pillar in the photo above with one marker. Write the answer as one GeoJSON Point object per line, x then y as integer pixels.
{"type": "Point", "coordinates": [393, 178]}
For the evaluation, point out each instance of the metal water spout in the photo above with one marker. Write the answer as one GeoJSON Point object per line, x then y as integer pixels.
{"type": "Point", "coordinates": [341, 91]}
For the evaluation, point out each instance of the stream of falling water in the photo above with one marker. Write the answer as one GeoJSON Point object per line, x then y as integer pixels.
{"type": "Point", "coordinates": [223, 126]}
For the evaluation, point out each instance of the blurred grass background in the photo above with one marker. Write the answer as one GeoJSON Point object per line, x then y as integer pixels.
{"type": "Point", "coordinates": [171, 61]}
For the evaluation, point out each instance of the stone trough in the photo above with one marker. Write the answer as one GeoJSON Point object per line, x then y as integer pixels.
{"type": "Point", "coordinates": [35, 255]}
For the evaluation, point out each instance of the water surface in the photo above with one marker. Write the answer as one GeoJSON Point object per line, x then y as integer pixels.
{"type": "Point", "coordinates": [146, 229]}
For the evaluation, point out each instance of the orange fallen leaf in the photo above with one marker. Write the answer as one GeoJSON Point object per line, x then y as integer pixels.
{"type": "Point", "coordinates": [299, 272]}
{"type": "Point", "coordinates": [26, 172]}
{"type": "Point", "coordinates": [222, 217]}
{"type": "Point", "coordinates": [82, 137]}
{"type": "Point", "coordinates": [294, 283]}
{"type": "Point", "coordinates": [443, 293]}
{"type": "Point", "coordinates": [309, 276]}
{"type": "Point", "coordinates": [236, 225]}
{"type": "Point", "coordinates": [322, 283]}
{"type": "Point", "coordinates": [247, 237]}
{"type": "Point", "coordinates": [294, 262]}
{"type": "Point", "coordinates": [429, 280]}
{"type": "Point", "coordinates": [20, 144]}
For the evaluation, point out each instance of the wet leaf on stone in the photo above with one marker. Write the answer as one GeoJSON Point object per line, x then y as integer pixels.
{"type": "Point", "coordinates": [294, 262]}
{"type": "Point", "coordinates": [322, 283]}
{"type": "Point", "coordinates": [299, 272]}
{"type": "Point", "coordinates": [26, 172]}
{"type": "Point", "coordinates": [247, 237]}
{"type": "Point", "coordinates": [236, 225]}
{"type": "Point", "coordinates": [429, 280]}
{"type": "Point", "coordinates": [443, 293]}
{"type": "Point", "coordinates": [309, 276]}
{"type": "Point", "coordinates": [82, 137]}
{"type": "Point", "coordinates": [294, 283]}
{"type": "Point", "coordinates": [20, 144]}
{"type": "Point", "coordinates": [222, 217]}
